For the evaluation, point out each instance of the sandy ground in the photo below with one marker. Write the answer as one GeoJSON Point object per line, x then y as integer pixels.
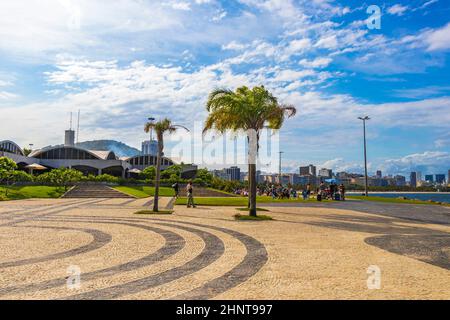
{"type": "Point", "coordinates": [305, 253]}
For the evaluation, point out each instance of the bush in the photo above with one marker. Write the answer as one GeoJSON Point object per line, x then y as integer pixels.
{"type": "Point", "coordinates": [60, 177]}
{"type": "Point", "coordinates": [148, 173]}
{"type": "Point", "coordinates": [106, 178]}
{"type": "Point", "coordinates": [22, 176]}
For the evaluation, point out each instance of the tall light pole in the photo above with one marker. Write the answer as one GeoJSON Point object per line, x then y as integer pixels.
{"type": "Point", "coordinates": [364, 119]}
{"type": "Point", "coordinates": [279, 168]}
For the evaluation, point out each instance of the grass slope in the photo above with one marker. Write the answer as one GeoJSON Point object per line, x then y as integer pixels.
{"type": "Point", "coordinates": [393, 200]}
{"type": "Point", "coordinates": [144, 191]}
{"type": "Point", "coordinates": [29, 192]}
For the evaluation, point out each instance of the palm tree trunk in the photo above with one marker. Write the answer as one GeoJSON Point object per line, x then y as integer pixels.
{"type": "Point", "coordinates": [158, 176]}
{"type": "Point", "coordinates": [252, 139]}
{"type": "Point", "coordinates": [252, 186]}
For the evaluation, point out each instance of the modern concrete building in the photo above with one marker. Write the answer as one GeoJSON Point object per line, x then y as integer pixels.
{"type": "Point", "coordinates": [11, 147]}
{"type": "Point", "coordinates": [87, 161]}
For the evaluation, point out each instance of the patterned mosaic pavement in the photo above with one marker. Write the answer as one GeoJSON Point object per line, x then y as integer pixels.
{"type": "Point", "coordinates": [99, 249]}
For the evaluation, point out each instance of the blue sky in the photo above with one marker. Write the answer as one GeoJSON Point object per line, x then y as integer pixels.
{"type": "Point", "coordinates": [121, 61]}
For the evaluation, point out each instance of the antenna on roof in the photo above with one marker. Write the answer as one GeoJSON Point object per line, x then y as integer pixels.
{"type": "Point", "coordinates": [70, 120]}
{"type": "Point", "coordinates": [78, 127]}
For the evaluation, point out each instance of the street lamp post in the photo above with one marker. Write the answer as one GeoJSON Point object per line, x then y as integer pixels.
{"type": "Point", "coordinates": [364, 119]}
{"type": "Point", "coordinates": [279, 168]}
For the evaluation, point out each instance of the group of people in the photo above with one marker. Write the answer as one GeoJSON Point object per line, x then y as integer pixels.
{"type": "Point", "coordinates": [331, 192]}
{"type": "Point", "coordinates": [189, 193]}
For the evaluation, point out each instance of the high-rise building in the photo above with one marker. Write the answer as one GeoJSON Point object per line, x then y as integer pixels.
{"type": "Point", "coordinates": [448, 177]}
{"type": "Point", "coordinates": [234, 172]}
{"type": "Point", "coordinates": [308, 170]}
{"type": "Point", "coordinates": [379, 174]}
{"type": "Point", "coordinates": [325, 173]}
{"type": "Point", "coordinates": [429, 178]}
{"type": "Point", "coordinates": [419, 178]}
{"type": "Point", "coordinates": [440, 178]}
{"type": "Point", "coordinates": [150, 147]}
{"type": "Point", "coordinates": [400, 181]}
{"type": "Point", "coordinates": [413, 179]}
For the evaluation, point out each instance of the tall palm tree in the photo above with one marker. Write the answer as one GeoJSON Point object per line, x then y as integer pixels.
{"type": "Point", "coordinates": [160, 127]}
{"type": "Point", "coordinates": [248, 110]}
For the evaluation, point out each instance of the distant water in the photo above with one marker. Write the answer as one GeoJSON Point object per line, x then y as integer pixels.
{"type": "Point", "coordinates": [441, 197]}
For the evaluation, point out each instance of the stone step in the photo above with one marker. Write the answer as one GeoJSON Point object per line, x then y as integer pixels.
{"type": "Point", "coordinates": [88, 191]}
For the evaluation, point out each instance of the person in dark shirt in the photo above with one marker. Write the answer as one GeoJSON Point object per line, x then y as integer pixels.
{"type": "Point", "coordinates": [176, 189]}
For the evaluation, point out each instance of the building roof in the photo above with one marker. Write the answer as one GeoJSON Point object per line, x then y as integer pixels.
{"type": "Point", "coordinates": [12, 147]}
{"type": "Point", "coordinates": [98, 154]}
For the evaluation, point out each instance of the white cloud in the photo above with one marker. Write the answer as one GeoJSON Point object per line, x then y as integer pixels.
{"type": "Point", "coordinates": [185, 6]}
{"type": "Point", "coordinates": [438, 39]}
{"type": "Point", "coordinates": [316, 63]}
{"type": "Point", "coordinates": [426, 162]}
{"type": "Point", "coordinates": [219, 16]}
{"type": "Point", "coordinates": [329, 42]}
{"type": "Point", "coordinates": [234, 45]}
{"type": "Point", "coordinates": [397, 9]}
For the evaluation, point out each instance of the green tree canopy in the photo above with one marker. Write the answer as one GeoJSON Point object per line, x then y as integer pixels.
{"type": "Point", "coordinates": [249, 111]}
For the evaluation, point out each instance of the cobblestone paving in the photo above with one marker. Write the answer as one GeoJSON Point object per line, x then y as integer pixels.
{"type": "Point", "coordinates": [202, 253]}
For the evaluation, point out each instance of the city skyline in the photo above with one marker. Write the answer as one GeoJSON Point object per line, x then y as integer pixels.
{"type": "Point", "coordinates": [122, 67]}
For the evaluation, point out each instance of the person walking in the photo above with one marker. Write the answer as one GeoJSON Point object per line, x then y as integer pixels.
{"type": "Point", "coordinates": [342, 191]}
{"type": "Point", "coordinates": [176, 189]}
{"type": "Point", "coordinates": [190, 195]}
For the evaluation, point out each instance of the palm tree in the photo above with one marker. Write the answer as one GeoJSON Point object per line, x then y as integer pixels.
{"type": "Point", "coordinates": [248, 110]}
{"type": "Point", "coordinates": [160, 127]}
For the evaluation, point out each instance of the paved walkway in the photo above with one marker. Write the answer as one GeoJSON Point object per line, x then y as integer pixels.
{"type": "Point", "coordinates": [314, 251]}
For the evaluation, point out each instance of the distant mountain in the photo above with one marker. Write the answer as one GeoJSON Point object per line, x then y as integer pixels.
{"type": "Point", "coordinates": [119, 148]}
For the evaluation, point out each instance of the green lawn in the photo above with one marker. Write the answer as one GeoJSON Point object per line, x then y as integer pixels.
{"type": "Point", "coordinates": [144, 191]}
{"type": "Point", "coordinates": [393, 200]}
{"type": "Point", "coordinates": [27, 192]}
{"type": "Point", "coordinates": [235, 201]}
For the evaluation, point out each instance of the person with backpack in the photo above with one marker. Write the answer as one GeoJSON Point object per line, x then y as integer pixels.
{"type": "Point", "coordinates": [190, 194]}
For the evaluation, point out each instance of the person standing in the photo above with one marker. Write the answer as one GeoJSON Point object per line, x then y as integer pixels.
{"type": "Point", "coordinates": [190, 195]}
{"type": "Point", "coordinates": [308, 190]}
{"type": "Point", "coordinates": [176, 189]}
{"type": "Point", "coordinates": [342, 191]}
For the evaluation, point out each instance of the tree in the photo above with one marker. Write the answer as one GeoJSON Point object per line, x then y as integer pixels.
{"type": "Point", "coordinates": [148, 173]}
{"type": "Point", "coordinates": [61, 177]}
{"type": "Point", "coordinates": [250, 111]}
{"type": "Point", "coordinates": [27, 152]}
{"type": "Point", "coordinates": [7, 170]}
{"type": "Point", "coordinates": [160, 127]}
{"type": "Point", "coordinates": [174, 170]}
